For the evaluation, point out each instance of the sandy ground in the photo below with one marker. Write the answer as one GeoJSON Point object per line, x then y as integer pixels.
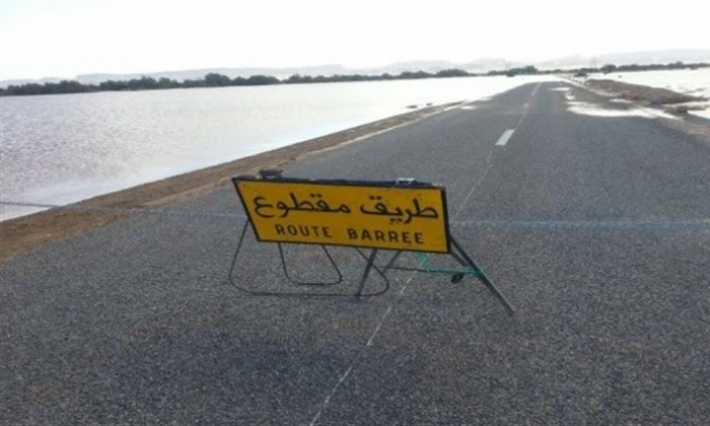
{"type": "Point", "coordinates": [670, 101]}
{"type": "Point", "coordinates": [639, 93]}
{"type": "Point", "coordinates": [28, 232]}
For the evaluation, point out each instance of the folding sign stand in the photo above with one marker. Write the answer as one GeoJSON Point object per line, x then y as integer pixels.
{"type": "Point", "coordinates": [281, 209]}
{"type": "Point", "coordinates": [369, 266]}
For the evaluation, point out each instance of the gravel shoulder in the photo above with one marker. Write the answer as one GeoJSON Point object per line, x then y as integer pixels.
{"type": "Point", "coordinates": [668, 100]}
{"type": "Point", "coordinates": [29, 232]}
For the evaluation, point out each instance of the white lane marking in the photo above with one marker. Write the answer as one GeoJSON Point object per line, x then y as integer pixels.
{"type": "Point", "coordinates": [505, 137]}
{"type": "Point", "coordinates": [409, 280]}
{"type": "Point", "coordinates": [327, 399]}
{"type": "Point", "coordinates": [535, 90]}
{"type": "Point", "coordinates": [522, 118]}
{"type": "Point", "coordinates": [526, 107]}
{"type": "Point", "coordinates": [369, 342]}
{"type": "Point", "coordinates": [473, 189]}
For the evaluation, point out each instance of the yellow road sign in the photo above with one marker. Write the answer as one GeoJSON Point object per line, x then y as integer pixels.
{"type": "Point", "coordinates": [358, 214]}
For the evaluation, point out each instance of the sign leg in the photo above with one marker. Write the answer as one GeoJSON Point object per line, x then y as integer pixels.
{"type": "Point", "coordinates": [481, 276]}
{"type": "Point", "coordinates": [239, 248]}
{"type": "Point", "coordinates": [366, 273]}
{"type": "Point", "coordinates": [391, 262]}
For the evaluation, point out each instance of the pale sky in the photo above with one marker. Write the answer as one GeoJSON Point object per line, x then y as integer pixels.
{"type": "Point", "coordinates": [64, 38]}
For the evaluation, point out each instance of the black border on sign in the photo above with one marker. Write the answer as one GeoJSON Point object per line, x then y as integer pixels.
{"type": "Point", "coordinates": [342, 182]}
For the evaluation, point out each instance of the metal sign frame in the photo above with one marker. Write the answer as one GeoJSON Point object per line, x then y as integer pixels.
{"type": "Point", "coordinates": [454, 249]}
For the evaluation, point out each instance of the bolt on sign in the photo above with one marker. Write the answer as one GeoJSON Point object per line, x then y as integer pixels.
{"type": "Point", "coordinates": [383, 215]}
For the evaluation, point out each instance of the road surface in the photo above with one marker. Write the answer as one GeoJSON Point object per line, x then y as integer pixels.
{"type": "Point", "coordinates": [596, 228]}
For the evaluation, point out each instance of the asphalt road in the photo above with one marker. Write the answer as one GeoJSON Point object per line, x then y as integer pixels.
{"type": "Point", "coordinates": [596, 228]}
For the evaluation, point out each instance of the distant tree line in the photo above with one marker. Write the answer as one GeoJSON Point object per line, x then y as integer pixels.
{"type": "Point", "coordinates": [529, 70]}
{"type": "Point", "coordinates": [634, 67]}
{"type": "Point", "coordinates": [143, 83]}
{"type": "Point", "coordinates": [210, 80]}
{"type": "Point", "coordinates": [606, 69]}
{"type": "Point", "coordinates": [219, 80]}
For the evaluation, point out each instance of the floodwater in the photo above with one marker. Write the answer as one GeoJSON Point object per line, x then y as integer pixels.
{"type": "Point", "coordinates": [691, 82]}
{"type": "Point", "coordinates": [61, 149]}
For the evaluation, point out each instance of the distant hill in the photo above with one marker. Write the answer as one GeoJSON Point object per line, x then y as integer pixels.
{"type": "Point", "coordinates": [479, 65]}
{"type": "Point", "coordinates": [6, 83]}
{"type": "Point", "coordinates": [194, 74]}
{"type": "Point", "coordinates": [229, 72]}
{"type": "Point", "coordinates": [399, 67]}
{"type": "Point", "coordinates": [628, 58]}
{"type": "Point", "coordinates": [476, 66]}
{"type": "Point", "coordinates": [490, 64]}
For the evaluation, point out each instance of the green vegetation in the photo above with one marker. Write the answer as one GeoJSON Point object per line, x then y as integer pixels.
{"type": "Point", "coordinates": [529, 70]}
{"type": "Point", "coordinates": [219, 80]}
